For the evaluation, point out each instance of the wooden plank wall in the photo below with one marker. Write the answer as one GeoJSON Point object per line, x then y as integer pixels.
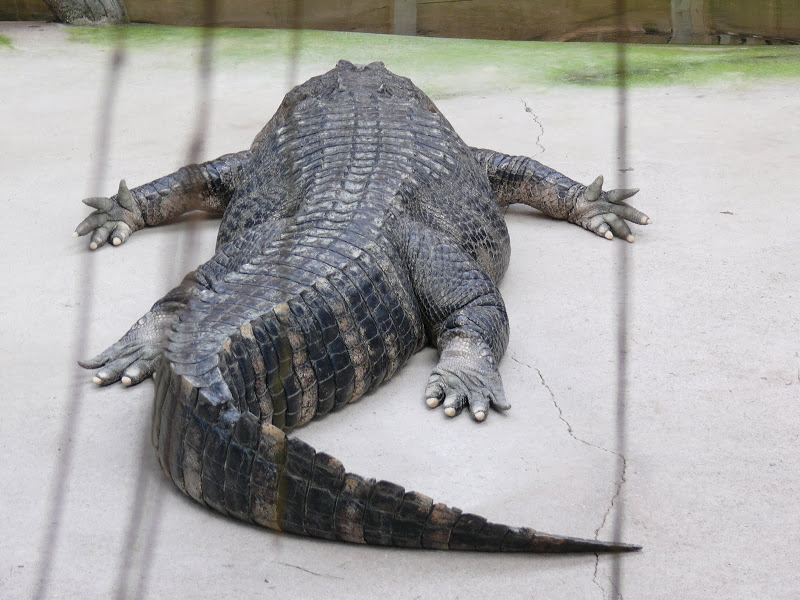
{"type": "Point", "coordinates": [585, 20]}
{"type": "Point", "coordinates": [778, 19]}
{"type": "Point", "coordinates": [338, 15]}
{"type": "Point", "coordinates": [24, 10]}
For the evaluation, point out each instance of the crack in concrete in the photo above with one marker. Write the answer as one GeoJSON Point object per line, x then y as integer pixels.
{"type": "Point", "coordinates": [602, 589]}
{"type": "Point", "coordinates": [620, 482]}
{"type": "Point", "coordinates": [307, 571]}
{"type": "Point", "coordinates": [536, 120]}
{"type": "Point", "coordinates": [597, 583]}
{"type": "Point", "coordinates": [561, 413]}
{"type": "Point", "coordinates": [594, 576]}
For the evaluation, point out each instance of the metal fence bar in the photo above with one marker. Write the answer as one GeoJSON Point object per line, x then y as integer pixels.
{"type": "Point", "coordinates": [294, 49]}
{"type": "Point", "coordinates": [138, 516]}
{"type": "Point", "coordinates": [77, 386]}
{"type": "Point", "coordinates": [146, 511]}
{"type": "Point", "coordinates": [622, 293]}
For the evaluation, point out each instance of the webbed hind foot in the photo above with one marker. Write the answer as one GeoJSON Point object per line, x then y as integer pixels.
{"type": "Point", "coordinates": [466, 375]}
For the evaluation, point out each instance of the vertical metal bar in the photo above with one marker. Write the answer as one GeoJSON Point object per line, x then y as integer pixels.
{"type": "Point", "coordinates": [127, 556]}
{"type": "Point", "coordinates": [140, 591]}
{"type": "Point", "coordinates": [204, 92]}
{"type": "Point", "coordinates": [623, 289]}
{"type": "Point", "coordinates": [53, 522]}
{"type": "Point", "coordinates": [174, 269]}
{"type": "Point", "coordinates": [294, 58]}
{"type": "Point", "coordinates": [294, 49]}
{"type": "Point", "coordinates": [146, 513]}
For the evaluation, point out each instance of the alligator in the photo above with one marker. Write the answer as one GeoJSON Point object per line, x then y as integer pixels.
{"type": "Point", "coordinates": [357, 228]}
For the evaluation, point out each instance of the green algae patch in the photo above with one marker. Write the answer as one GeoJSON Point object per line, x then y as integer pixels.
{"type": "Point", "coordinates": [136, 36]}
{"type": "Point", "coordinates": [649, 65]}
{"type": "Point", "coordinates": [5, 42]}
{"type": "Point", "coordinates": [453, 66]}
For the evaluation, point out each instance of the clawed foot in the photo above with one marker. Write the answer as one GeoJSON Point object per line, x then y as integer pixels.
{"type": "Point", "coordinates": [466, 376]}
{"type": "Point", "coordinates": [114, 218]}
{"type": "Point", "coordinates": [605, 213]}
{"type": "Point", "coordinates": [136, 355]}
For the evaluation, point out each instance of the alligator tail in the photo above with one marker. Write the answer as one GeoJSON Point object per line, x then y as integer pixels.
{"type": "Point", "coordinates": [225, 458]}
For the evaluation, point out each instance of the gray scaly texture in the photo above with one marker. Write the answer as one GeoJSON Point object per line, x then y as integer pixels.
{"type": "Point", "coordinates": [357, 228]}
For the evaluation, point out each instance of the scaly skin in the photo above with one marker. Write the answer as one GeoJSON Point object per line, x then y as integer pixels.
{"type": "Point", "coordinates": [358, 228]}
{"type": "Point", "coordinates": [208, 187]}
{"type": "Point", "coordinates": [519, 179]}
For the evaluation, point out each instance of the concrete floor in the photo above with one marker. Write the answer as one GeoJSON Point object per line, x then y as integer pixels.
{"type": "Point", "coordinates": [711, 470]}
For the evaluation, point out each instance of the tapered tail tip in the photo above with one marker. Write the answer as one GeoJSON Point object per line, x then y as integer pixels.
{"type": "Point", "coordinates": [581, 545]}
{"type": "Point", "coordinates": [617, 548]}
{"type": "Point", "coordinates": [528, 540]}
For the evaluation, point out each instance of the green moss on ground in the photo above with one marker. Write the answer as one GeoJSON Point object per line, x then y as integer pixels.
{"type": "Point", "coordinates": [670, 65]}
{"type": "Point", "coordinates": [438, 63]}
{"type": "Point", "coordinates": [5, 42]}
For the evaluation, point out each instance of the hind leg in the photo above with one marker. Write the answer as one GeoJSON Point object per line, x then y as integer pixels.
{"type": "Point", "coordinates": [136, 355]}
{"type": "Point", "coordinates": [464, 314]}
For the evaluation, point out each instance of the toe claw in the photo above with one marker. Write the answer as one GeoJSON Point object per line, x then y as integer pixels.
{"type": "Point", "coordinates": [113, 219]}
{"type": "Point", "coordinates": [126, 381]}
{"type": "Point", "coordinates": [456, 384]}
{"type": "Point", "coordinates": [97, 381]}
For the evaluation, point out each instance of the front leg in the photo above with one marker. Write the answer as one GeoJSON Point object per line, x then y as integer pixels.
{"type": "Point", "coordinates": [519, 179]}
{"type": "Point", "coordinates": [464, 314]}
{"type": "Point", "coordinates": [208, 186]}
